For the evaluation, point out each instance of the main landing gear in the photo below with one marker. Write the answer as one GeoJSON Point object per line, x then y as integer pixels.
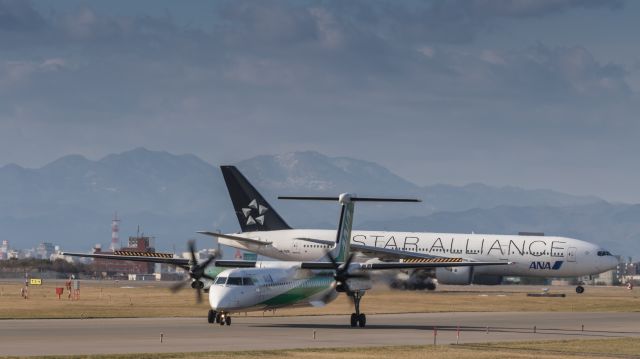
{"type": "Point", "coordinates": [579, 289]}
{"type": "Point", "coordinates": [218, 318]}
{"type": "Point", "coordinates": [357, 319]}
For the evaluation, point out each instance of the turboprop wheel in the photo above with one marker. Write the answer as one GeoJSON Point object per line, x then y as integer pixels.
{"type": "Point", "coordinates": [227, 320]}
{"type": "Point", "coordinates": [579, 289]}
{"type": "Point", "coordinates": [211, 318]}
{"type": "Point", "coordinates": [362, 320]}
{"type": "Point", "coordinates": [354, 320]}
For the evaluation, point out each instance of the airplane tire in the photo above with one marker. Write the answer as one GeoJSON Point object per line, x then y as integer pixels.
{"type": "Point", "coordinates": [211, 318]}
{"type": "Point", "coordinates": [362, 320]}
{"type": "Point", "coordinates": [354, 320]}
{"type": "Point", "coordinates": [227, 320]}
{"type": "Point", "coordinates": [579, 289]}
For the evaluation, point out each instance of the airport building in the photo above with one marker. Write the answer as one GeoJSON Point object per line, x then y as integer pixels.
{"type": "Point", "coordinates": [44, 250]}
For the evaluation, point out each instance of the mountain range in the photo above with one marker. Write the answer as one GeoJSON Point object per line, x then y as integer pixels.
{"type": "Point", "coordinates": [72, 200]}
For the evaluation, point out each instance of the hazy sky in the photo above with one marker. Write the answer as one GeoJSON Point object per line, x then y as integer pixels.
{"type": "Point", "coordinates": [532, 93]}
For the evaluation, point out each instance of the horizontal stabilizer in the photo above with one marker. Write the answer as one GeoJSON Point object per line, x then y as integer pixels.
{"type": "Point", "coordinates": [235, 238]}
{"type": "Point", "coordinates": [353, 199]}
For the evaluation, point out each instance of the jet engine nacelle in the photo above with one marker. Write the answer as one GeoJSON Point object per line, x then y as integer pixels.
{"type": "Point", "coordinates": [454, 275]}
{"type": "Point", "coordinates": [485, 279]}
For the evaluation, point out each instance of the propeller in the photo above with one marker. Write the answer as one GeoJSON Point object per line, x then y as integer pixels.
{"type": "Point", "coordinates": [196, 272]}
{"type": "Point", "coordinates": [342, 275]}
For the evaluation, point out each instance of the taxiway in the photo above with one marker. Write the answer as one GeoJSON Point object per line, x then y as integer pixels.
{"type": "Point", "coordinates": [136, 335]}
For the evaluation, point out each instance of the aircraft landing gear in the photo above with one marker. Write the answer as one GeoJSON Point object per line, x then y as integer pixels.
{"type": "Point", "coordinates": [223, 318]}
{"type": "Point", "coordinates": [212, 317]}
{"type": "Point", "coordinates": [579, 289]}
{"type": "Point", "coordinates": [357, 319]}
{"type": "Point", "coordinates": [196, 284]}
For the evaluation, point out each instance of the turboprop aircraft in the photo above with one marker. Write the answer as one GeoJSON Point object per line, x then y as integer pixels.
{"type": "Point", "coordinates": [268, 285]}
{"type": "Point", "coordinates": [265, 232]}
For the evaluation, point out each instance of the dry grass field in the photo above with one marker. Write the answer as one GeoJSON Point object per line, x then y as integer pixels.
{"type": "Point", "coordinates": [601, 348]}
{"type": "Point", "coordinates": [125, 299]}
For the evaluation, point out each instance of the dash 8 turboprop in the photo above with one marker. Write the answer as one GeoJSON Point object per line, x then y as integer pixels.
{"type": "Point", "coordinates": [265, 232]}
{"type": "Point", "coordinates": [268, 285]}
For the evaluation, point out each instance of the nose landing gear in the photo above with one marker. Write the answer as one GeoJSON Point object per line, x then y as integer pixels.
{"type": "Point", "coordinates": [218, 318]}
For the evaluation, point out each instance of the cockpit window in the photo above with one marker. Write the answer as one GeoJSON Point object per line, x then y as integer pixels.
{"type": "Point", "coordinates": [603, 253]}
{"type": "Point", "coordinates": [234, 281]}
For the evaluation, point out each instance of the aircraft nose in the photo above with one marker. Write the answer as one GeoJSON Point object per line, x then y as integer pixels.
{"type": "Point", "coordinates": [220, 297]}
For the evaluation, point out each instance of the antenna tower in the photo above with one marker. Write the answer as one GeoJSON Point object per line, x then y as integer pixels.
{"type": "Point", "coordinates": [115, 233]}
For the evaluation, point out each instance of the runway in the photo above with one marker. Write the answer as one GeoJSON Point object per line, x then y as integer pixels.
{"type": "Point", "coordinates": [134, 335]}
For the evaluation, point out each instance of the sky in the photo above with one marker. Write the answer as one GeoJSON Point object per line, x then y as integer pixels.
{"type": "Point", "coordinates": [530, 93]}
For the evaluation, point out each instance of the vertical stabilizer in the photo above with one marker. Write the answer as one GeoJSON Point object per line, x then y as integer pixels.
{"type": "Point", "coordinates": [343, 236]}
{"type": "Point", "coordinates": [253, 211]}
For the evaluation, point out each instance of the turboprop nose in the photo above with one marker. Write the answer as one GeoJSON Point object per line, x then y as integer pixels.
{"type": "Point", "coordinates": [220, 297]}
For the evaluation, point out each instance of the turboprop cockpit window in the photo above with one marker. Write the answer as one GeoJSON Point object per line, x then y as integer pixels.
{"type": "Point", "coordinates": [221, 280]}
{"type": "Point", "coordinates": [247, 281]}
{"type": "Point", "coordinates": [234, 281]}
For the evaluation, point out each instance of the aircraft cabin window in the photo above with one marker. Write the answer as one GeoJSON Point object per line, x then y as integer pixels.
{"type": "Point", "coordinates": [221, 280]}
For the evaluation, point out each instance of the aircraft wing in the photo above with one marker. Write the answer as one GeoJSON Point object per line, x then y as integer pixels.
{"type": "Point", "coordinates": [389, 253]}
{"type": "Point", "coordinates": [372, 251]}
{"type": "Point", "coordinates": [424, 264]}
{"type": "Point", "coordinates": [138, 257]}
{"type": "Point", "coordinates": [150, 258]}
{"type": "Point", "coordinates": [410, 264]}
{"type": "Point", "coordinates": [236, 238]}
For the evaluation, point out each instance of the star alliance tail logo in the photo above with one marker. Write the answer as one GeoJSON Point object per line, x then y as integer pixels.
{"type": "Point", "coordinates": [254, 213]}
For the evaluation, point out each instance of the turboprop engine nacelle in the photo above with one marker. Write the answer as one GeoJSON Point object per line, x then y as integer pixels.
{"type": "Point", "coordinates": [358, 284]}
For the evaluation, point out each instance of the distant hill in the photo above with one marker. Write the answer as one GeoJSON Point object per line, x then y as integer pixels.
{"type": "Point", "coordinates": [71, 201]}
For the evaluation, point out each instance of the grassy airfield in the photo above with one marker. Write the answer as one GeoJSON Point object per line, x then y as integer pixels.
{"type": "Point", "coordinates": [600, 348]}
{"type": "Point", "coordinates": [109, 299]}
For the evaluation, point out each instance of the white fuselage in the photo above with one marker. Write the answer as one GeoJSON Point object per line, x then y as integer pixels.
{"type": "Point", "coordinates": [541, 256]}
{"type": "Point", "coordinates": [270, 286]}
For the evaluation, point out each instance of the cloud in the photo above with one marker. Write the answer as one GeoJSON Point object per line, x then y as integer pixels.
{"type": "Point", "coordinates": [383, 80]}
{"type": "Point", "coordinates": [531, 8]}
{"type": "Point", "coordinates": [545, 74]}
{"type": "Point", "coordinates": [19, 16]}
